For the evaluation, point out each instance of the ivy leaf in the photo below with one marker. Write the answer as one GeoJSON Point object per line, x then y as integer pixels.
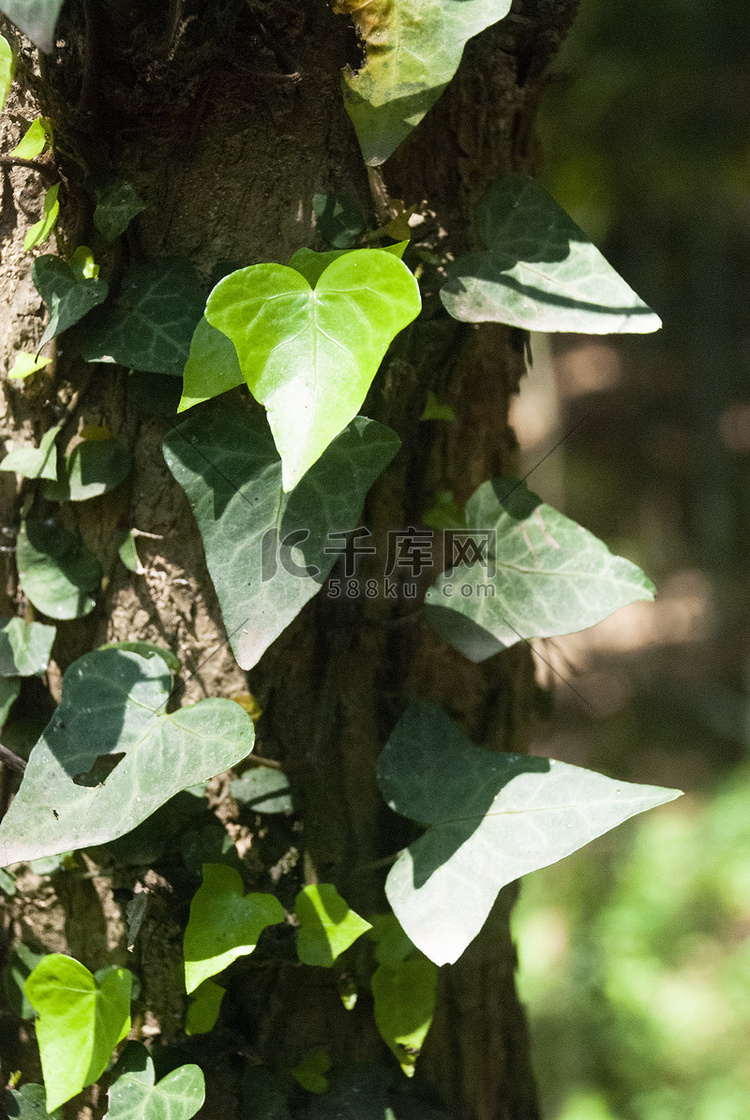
{"type": "Point", "coordinates": [33, 462]}
{"type": "Point", "coordinates": [10, 690]}
{"type": "Point", "coordinates": [25, 647]}
{"type": "Point", "coordinates": [7, 69]}
{"type": "Point", "coordinates": [41, 230]}
{"type": "Point", "coordinates": [542, 574]}
{"type": "Point", "coordinates": [92, 468]}
{"type": "Point", "coordinates": [204, 1008]}
{"type": "Point", "coordinates": [68, 295]}
{"type": "Point", "coordinates": [26, 364]}
{"type": "Point", "coordinates": [150, 324]}
{"type": "Point", "coordinates": [413, 48]}
{"type": "Point", "coordinates": [56, 571]}
{"type": "Point", "coordinates": [212, 366]}
{"type": "Point", "coordinates": [111, 755]}
{"type": "Point", "coordinates": [309, 355]}
{"type": "Point", "coordinates": [404, 995]}
{"type": "Point", "coordinates": [311, 1071]}
{"type": "Point", "coordinates": [81, 1020]}
{"type": "Point", "coordinates": [136, 1095]}
{"type": "Point", "coordinates": [490, 818]}
{"type": "Point", "coordinates": [265, 549]}
{"type": "Point", "coordinates": [540, 271]}
{"type": "Point", "coordinates": [312, 264]}
{"type": "Point", "coordinates": [327, 925]}
{"type": "Point", "coordinates": [339, 219]}
{"type": "Point", "coordinates": [117, 204]}
{"type": "Point", "coordinates": [224, 923]}
{"type": "Point", "coordinates": [34, 140]}
{"type": "Point", "coordinates": [263, 791]}
{"type": "Point", "coordinates": [28, 1103]}
{"type": "Point", "coordinates": [36, 19]}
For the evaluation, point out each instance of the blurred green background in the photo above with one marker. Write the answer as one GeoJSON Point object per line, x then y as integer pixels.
{"type": "Point", "coordinates": [635, 952]}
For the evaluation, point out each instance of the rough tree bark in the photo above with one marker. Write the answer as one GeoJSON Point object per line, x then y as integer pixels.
{"type": "Point", "coordinates": [227, 117]}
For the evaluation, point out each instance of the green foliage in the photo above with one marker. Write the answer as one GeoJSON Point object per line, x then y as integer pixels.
{"type": "Point", "coordinates": [34, 139]}
{"type": "Point", "coordinates": [543, 575]}
{"type": "Point", "coordinates": [34, 462]}
{"type": "Point", "coordinates": [434, 410]}
{"type": "Point", "coordinates": [68, 294]}
{"type": "Point", "coordinates": [309, 354]}
{"type": "Point", "coordinates": [36, 19]}
{"type": "Point", "coordinates": [81, 1020]}
{"type": "Point", "coordinates": [264, 547]}
{"type": "Point", "coordinates": [490, 819]}
{"type": "Point", "coordinates": [25, 647]}
{"type": "Point", "coordinates": [327, 926]}
{"type": "Point", "coordinates": [404, 996]}
{"type": "Point", "coordinates": [117, 203]}
{"type": "Point", "coordinates": [149, 325]}
{"type": "Point", "coordinates": [56, 571]}
{"type": "Point", "coordinates": [204, 1008]}
{"type": "Point", "coordinates": [7, 69]}
{"type": "Point", "coordinates": [20, 964]}
{"type": "Point", "coordinates": [263, 791]}
{"type": "Point", "coordinates": [26, 364]}
{"type": "Point", "coordinates": [212, 366]}
{"type": "Point", "coordinates": [10, 689]}
{"type": "Point", "coordinates": [92, 468]}
{"type": "Point", "coordinates": [339, 220]}
{"type": "Point", "coordinates": [112, 712]}
{"type": "Point", "coordinates": [540, 271]}
{"type": "Point", "coordinates": [27, 1103]}
{"type": "Point", "coordinates": [41, 230]}
{"type": "Point", "coordinates": [357, 1091]}
{"type": "Point", "coordinates": [310, 1072]}
{"type": "Point", "coordinates": [413, 48]}
{"type": "Point", "coordinates": [263, 1098]}
{"type": "Point", "coordinates": [224, 923]}
{"type": "Point", "coordinates": [137, 1095]}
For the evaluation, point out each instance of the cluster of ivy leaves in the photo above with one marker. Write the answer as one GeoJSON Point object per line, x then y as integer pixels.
{"type": "Point", "coordinates": [307, 338]}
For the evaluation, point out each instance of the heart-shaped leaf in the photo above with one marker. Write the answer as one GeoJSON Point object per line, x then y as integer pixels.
{"type": "Point", "coordinates": [40, 231]}
{"type": "Point", "coordinates": [68, 295]}
{"type": "Point", "coordinates": [263, 790]}
{"type": "Point", "coordinates": [34, 139]}
{"type": "Point", "coordinates": [111, 755]}
{"type": "Point", "coordinates": [310, 354]}
{"type": "Point", "coordinates": [490, 818]}
{"type": "Point", "coordinates": [212, 366]}
{"type": "Point", "coordinates": [224, 923]}
{"type": "Point", "coordinates": [81, 1020]}
{"type": "Point", "coordinates": [117, 203]}
{"type": "Point", "coordinates": [339, 219]}
{"type": "Point", "coordinates": [25, 647]}
{"type": "Point", "coordinates": [36, 19]}
{"type": "Point", "coordinates": [92, 468]}
{"type": "Point", "coordinates": [27, 1103]}
{"type": "Point", "coordinates": [404, 995]}
{"type": "Point", "coordinates": [35, 462]}
{"type": "Point", "coordinates": [265, 549]}
{"type": "Point", "coordinates": [413, 48]}
{"type": "Point", "coordinates": [539, 574]}
{"type": "Point", "coordinates": [136, 1095]}
{"type": "Point", "coordinates": [56, 572]}
{"type": "Point", "coordinates": [326, 924]}
{"type": "Point", "coordinates": [204, 1008]}
{"type": "Point", "coordinates": [150, 324]}
{"type": "Point", "coordinates": [540, 271]}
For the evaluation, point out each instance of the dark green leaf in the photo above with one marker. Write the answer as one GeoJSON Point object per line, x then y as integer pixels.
{"type": "Point", "coordinates": [25, 647]}
{"type": "Point", "coordinates": [339, 220]}
{"type": "Point", "coordinates": [68, 295]}
{"type": "Point", "coordinates": [542, 575]}
{"type": "Point", "coordinates": [151, 323]}
{"type": "Point", "coordinates": [310, 1072]}
{"type": "Point", "coordinates": [491, 818]}
{"type": "Point", "coordinates": [10, 688]}
{"type": "Point", "coordinates": [56, 572]}
{"type": "Point", "coordinates": [91, 469]}
{"type": "Point", "coordinates": [263, 791]}
{"type": "Point", "coordinates": [357, 1092]}
{"type": "Point", "coordinates": [36, 19]}
{"type": "Point", "coordinates": [27, 1103]}
{"type": "Point", "coordinates": [212, 366]}
{"type": "Point", "coordinates": [35, 462]}
{"type": "Point", "coordinates": [136, 1095]}
{"type": "Point", "coordinates": [148, 649]}
{"type": "Point", "coordinates": [263, 1097]}
{"type": "Point", "coordinates": [327, 926]}
{"type": "Point", "coordinates": [264, 547]}
{"type": "Point", "coordinates": [210, 844]}
{"type": "Point", "coordinates": [413, 49]}
{"type": "Point", "coordinates": [540, 271]}
{"type": "Point", "coordinates": [20, 964]}
{"type": "Point", "coordinates": [111, 755]}
{"type": "Point", "coordinates": [117, 204]}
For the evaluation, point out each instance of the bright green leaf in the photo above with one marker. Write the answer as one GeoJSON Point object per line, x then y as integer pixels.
{"type": "Point", "coordinates": [540, 271]}
{"type": "Point", "coordinates": [34, 140]}
{"type": "Point", "coordinates": [68, 296]}
{"type": "Point", "coordinates": [41, 230]}
{"type": "Point", "coordinates": [326, 925]}
{"type": "Point", "coordinates": [111, 755]}
{"type": "Point", "coordinates": [26, 364]}
{"type": "Point", "coordinates": [311, 1071]}
{"type": "Point", "coordinates": [56, 572]}
{"type": "Point", "coordinates": [36, 19]}
{"type": "Point", "coordinates": [434, 410]}
{"type": "Point", "coordinates": [33, 462]}
{"type": "Point", "coordinates": [25, 647]}
{"type": "Point", "coordinates": [117, 204]}
{"type": "Point", "coordinates": [212, 366]}
{"type": "Point", "coordinates": [83, 264]}
{"type": "Point", "coordinates": [404, 996]}
{"type": "Point", "coordinates": [312, 264]}
{"type": "Point", "coordinates": [92, 468]}
{"type": "Point", "coordinates": [263, 790]}
{"type": "Point", "coordinates": [392, 946]}
{"type": "Point", "coordinates": [413, 48]}
{"type": "Point", "coordinates": [10, 690]}
{"type": "Point", "coordinates": [490, 818]}
{"type": "Point", "coordinates": [339, 220]}
{"type": "Point", "coordinates": [135, 1093]}
{"type": "Point", "coordinates": [204, 1008]}
{"type": "Point", "coordinates": [150, 324]}
{"type": "Point", "coordinates": [265, 548]}
{"type": "Point", "coordinates": [542, 575]}
{"type": "Point", "coordinates": [310, 355]}
{"type": "Point", "coordinates": [7, 69]}
{"type": "Point", "coordinates": [81, 1020]}
{"type": "Point", "coordinates": [445, 513]}
{"type": "Point", "coordinates": [27, 1103]}
{"type": "Point", "coordinates": [224, 923]}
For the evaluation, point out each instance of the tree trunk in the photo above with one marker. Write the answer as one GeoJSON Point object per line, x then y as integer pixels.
{"type": "Point", "coordinates": [227, 119]}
